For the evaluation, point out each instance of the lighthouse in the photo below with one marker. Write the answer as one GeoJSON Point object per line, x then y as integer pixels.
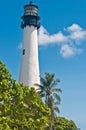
{"type": "Point", "coordinates": [29, 69]}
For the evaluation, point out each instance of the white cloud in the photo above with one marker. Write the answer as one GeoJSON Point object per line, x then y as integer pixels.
{"type": "Point", "coordinates": [69, 41]}
{"type": "Point", "coordinates": [76, 32]}
{"type": "Point", "coordinates": [68, 51]}
{"type": "Point", "coordinates": [45, 38]}
{"type": "Point", "coordinates": [73, 28]}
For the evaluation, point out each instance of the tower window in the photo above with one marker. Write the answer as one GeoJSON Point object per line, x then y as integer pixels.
{"type": "Point", "coordinates": [23, 52]}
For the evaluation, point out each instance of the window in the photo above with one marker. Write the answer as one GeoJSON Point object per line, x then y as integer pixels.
{"type": "Point", "coordinates": [23, 52]}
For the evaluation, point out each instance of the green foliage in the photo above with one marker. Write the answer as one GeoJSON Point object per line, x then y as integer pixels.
{"type": "Point", "coordinates": [20, 108]}
{"type": "Point", "coordinates": [62, 123]}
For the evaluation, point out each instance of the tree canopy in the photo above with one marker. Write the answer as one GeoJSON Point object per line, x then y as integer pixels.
{"type": "Point", "coordinates": [21, 108]}
{"type": "Point", "coordinates": [62, 123]}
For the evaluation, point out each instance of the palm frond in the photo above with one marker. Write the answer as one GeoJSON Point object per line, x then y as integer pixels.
{"type": "Point", "coordinates": [54, 83]}
{"type": "Point", "coordinates": [56, 90]}
{"type": "Point", "coordinates": [43, 81]}
{"type": "Point", "coordinates": [57, 109]}
{"type": "Point", "coordinates": [42, 94]}
{"type": "Point", "coordinates": [49, 78]}
{"type": "Point", "coordinates": [40, 87]}
{"type": "Point", "coordinates": [57, 97]}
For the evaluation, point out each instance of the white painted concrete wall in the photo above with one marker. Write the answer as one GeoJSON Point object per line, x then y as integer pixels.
{"type": "Point", "coordinates": [29, 71]}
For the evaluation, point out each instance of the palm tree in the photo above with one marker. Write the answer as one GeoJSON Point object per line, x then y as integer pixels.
{"type": "Point", "coordinates": [49, 92]}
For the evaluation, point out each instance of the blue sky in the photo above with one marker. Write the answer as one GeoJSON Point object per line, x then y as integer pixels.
{"type": "Point", "coordinates": [62, 48]}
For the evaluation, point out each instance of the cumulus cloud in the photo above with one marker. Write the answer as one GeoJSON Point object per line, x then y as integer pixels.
{"type": "Point", "coordinates": [68, 51]}
{"type": "Point", "coordinates": [69, 41]}
{"type": "Point", "coordinates": [73, 28]}
{"type": "Point", "coordinates": [45, 38]}
{"type": "Point", "coordinates": [76, 32]}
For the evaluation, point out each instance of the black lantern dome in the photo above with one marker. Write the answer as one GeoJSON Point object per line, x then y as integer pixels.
{"type": "Point", "coordinates": [30, 16]}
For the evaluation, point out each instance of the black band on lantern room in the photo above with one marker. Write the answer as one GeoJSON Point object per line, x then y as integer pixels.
{"type": "Point", "coordinates": [30, 16]}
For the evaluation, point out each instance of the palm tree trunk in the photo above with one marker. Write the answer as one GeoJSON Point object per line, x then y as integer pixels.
{"type": "Point", "coordinates": [51, 127]}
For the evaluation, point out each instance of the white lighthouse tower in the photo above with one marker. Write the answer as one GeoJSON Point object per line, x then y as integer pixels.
{"type": "Point", "coordinates": [29, 71]}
